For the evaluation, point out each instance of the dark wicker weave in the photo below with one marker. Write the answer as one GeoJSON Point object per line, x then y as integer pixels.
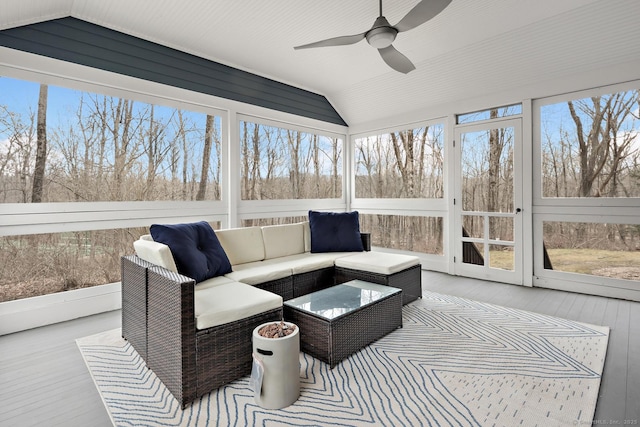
{"type": "Point", "coordinates": [224, 352]}
{"type": "Point", "coordinates": [134, 302]}
{"type": "Point", "coordinates": [409, 280]}
{"type": "Point", "coordinates": [158, 320]}
{"type": "Point", "coordinates": [190, 363]}
{"type": "Point", "coordinates": [305, 283]}
{"type": "Point", "coordinates": [282, 287]}
{"type": "Point", "coordinates": [366, 241]}
{"type": "Point", "coordinates": [334, 340]}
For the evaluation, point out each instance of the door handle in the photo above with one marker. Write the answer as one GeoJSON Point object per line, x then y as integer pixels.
{"type": "Point", "coordinates": [518, 210]}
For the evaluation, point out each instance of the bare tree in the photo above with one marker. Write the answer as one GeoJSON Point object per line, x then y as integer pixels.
{"type": "Point", "coordinates": [336, 154]}
{"type": "Point", "coordinates": [496, 144]}
{"type": "Point", "coordinates": [294, 141]}
{"type": "Point", "coordinates": [256, 181]}
{"type": "Point", "coordinates": [185, 166]}
{"type": "Point", "coordinates": [41, 149]}
{"type": "Point", "coordinates": [601, 151]}
{"type": "Point", "coordinates": [206, 157]}
{"type": "Point", "coordinates": [17, 157]}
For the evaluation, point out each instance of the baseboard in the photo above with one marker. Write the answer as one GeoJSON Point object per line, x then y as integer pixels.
{"type": "Point", "coordinates": [28, 313]}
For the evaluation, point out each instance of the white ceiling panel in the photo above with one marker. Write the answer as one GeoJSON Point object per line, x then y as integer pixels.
{"type": "Point", "coordinates": [23, 12]}
{"type": "Point", "coordinates": [470, 49]}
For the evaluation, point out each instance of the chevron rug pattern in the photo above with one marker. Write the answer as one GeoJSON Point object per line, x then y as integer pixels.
{"type": "Point", "coordinates": [455, 362]}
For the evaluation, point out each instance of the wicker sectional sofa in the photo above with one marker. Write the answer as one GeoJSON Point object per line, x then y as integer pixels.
{"type": "Point", "coordinates": [196, 337]}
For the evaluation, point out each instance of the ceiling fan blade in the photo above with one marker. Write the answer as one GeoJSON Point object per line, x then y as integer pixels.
{"type": "Point", "coordinates": [421, 13]}
{"type": "Point", "coordinates": [396, 60]}
{"type": "Point", "coordinates": [336, 41]}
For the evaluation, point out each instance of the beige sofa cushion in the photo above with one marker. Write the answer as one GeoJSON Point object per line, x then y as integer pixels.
{"type": "Point", "coordinates": [155, 253]}
{"type": "Point", "coordinates": [283, 240]}
{"type": "Point", "coordinates": [306, 262]}
{"type": "Point", "coordinates": [214, 281]}
{"type": "Point", "coordinates": [378, 262]}
{"type": "Point", "coordinates": [242, 245]}
{"type": "Point", "coordinates": [230, 301]}
{"type": "Point", "coordinates": [307, 236]}
{"type": "Point", "coordinates": [254, 273]}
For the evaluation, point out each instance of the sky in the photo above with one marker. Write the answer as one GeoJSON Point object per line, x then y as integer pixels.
{"type": "Point", "coordinates": [21, 96]}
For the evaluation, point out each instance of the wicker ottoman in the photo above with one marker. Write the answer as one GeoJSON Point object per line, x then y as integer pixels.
{"type": "Point", "coordinates": [396, 270]}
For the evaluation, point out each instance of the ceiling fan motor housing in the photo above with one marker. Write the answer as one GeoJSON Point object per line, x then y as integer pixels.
{"type": "Point", "coordinates": [382, 34]}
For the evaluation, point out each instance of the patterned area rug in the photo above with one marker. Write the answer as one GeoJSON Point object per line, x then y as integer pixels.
{"type": "Point", "coordinates": [454, 362]}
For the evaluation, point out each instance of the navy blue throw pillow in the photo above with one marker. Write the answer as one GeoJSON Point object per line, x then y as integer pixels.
{"type": "Point", "coordinates": [335, 232]}
{"type": "Point", "coordinates": [195, 249]}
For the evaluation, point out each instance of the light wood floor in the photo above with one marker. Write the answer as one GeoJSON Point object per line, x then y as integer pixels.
{"type": "Point", "coordinates": [44, 381]}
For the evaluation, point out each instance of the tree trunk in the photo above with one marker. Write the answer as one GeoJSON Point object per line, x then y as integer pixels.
{"type": "Point", "coordinates": [41, 150]}
{"type": "Point", "coordinates": [152, 152]}
{"type": "Point", "coordinates": [255, 190]}
{"type": "Point", "coordinates": [495, 152]}
{"type": "Point", "coordinates": [293, 138]}
{"type": "Point", "coordinates": [206, 157]}
{"type": "Point", "coordinates": [185, 168]}
{"type": "Point", "coordinates": [334, 165]}
{"type": "Point", "coordinates": [316, 165]}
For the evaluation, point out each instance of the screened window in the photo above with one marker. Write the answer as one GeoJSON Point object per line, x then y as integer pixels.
{"type": "Point", "coordinates": [41, 264]}
{"type": "Point", "coordinates": [284, 163]}
{"type": "Point", "coordinates": [64, 145]}
{"type": "Point", "coordinates": [412, 233]}
{"type": "Point", "coordinates": [404, 164]}
{"type": "Point", "coordinates": [607, 250]}
{"type": "Point", "coordinates": [261, 222]}
{"type": "Point", "coordinates": [591, 146]}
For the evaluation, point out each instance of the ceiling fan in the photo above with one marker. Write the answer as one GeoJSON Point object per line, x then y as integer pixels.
{"type": "Point", "coordinates": [382, 34]}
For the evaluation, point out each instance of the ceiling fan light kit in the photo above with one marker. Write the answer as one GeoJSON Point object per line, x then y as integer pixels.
{"type": "Point", "coordinates": [382, 34]}
{"type": "Point", "coordinates": [381, 37]}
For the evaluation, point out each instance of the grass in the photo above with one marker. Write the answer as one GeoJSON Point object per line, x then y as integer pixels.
{"type": "Point", "coordinates": [588, 261]}
{"type": "Point", "coordinates": [597, 262]}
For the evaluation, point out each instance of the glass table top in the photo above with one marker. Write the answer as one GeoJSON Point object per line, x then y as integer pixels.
{"type": "Point", "coordinates": [341, 299]}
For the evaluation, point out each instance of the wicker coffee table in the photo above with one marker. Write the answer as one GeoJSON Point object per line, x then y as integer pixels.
{"type": "Point", "coordinates": [338, 321]}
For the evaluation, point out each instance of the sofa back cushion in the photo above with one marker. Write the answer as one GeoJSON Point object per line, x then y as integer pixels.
{"type": "Point", "coordinates": [242, 245]}
{"type": "Point", "coordinates": [195, 248]}
{"type": "Point", "coordinates": [283, 240]}
{"type": "Point", "coordinates": [307, 236]}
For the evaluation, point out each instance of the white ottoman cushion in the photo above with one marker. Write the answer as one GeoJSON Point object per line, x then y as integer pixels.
{"type": "Point", "coordinates": [378, 262]}
{"type": "Point", "coordinates": [231, 301]}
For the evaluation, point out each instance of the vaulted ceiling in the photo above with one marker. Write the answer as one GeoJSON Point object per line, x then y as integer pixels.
{"type": "Point", "coordinates": [471, 49]}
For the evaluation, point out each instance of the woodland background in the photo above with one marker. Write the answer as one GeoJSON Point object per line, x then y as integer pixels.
{"type": "Point", "coordinates": [101, 148]}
